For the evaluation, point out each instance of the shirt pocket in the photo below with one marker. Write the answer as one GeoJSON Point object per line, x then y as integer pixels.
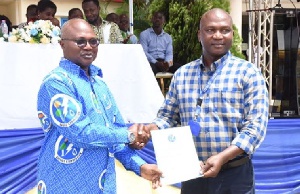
{"type": "Point", "coordinates": [231, 108]}
{"type": "Point", "coordinates": [231, 99]}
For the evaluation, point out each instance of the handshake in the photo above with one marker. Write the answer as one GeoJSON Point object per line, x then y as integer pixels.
{"type": "Point", "coordinates": [139, 135]}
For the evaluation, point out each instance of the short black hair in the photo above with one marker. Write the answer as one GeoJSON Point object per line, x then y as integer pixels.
{"type": "Point", "coordinates": [32, 6]}
{"type": "Point", "coordinates": [71, 11]}
{"type": "Point", "coordinates": [94, 1]}
{"type": "Point", "coordinates": [44, 4]}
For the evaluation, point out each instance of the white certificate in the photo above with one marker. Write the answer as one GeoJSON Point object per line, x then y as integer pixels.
{"type": "Point", "coordinates": [176, 154]}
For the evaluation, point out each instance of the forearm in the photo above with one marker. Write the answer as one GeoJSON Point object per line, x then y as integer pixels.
{"type": "Point", "coordinates": [230, 153]}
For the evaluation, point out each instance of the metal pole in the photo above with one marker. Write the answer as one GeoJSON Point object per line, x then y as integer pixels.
{"type": "Point", "coordinates": [131, 15]}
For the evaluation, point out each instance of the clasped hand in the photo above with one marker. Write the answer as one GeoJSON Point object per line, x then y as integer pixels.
{"type": "Point", "coordinates": [142, 136]}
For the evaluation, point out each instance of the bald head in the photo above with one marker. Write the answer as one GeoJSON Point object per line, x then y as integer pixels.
{"type": "Point", "coordinates": [215, 35]}
{"type": "Point", "coordinates": [75, 26]}
{"type": "Point", "coordinates": [79, 43]}
{"type": "Point", "coordinates": [215, 13]}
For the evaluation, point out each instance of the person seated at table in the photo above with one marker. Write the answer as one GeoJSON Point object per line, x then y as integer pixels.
{"type": "Point", "coordinates": [31, 15]}
{"type": "Point", "coordinates": [75, 13]}
{"type": "Point", "coordinates": [157, 44]}
{"type": "Point", "coordinates": [8, 23]}
{"type": "Point", "coordinates": [107, 32]}
{"type": "Point", "coordinates": [112, 17]}
{"type": "Point", "coordinates": [129, 38]}
{"type": "Point", "coordinates": [47, 11]}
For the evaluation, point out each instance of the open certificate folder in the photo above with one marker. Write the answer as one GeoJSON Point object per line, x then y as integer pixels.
{"type": "Point", "coordinates": [176, 154]}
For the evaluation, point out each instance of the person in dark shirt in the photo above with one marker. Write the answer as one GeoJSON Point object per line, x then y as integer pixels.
{"type": "Point", "coordinates": [31, 15]}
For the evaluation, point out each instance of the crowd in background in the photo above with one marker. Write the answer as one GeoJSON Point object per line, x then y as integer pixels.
{"type": "Point", "coordinates": [114, 29]}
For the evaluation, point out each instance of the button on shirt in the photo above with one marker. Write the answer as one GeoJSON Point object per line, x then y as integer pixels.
{"type": "Point", "coordinates": [234, 109]}
{"type": "Point", "coordinates": [157, 46]}
{"type": "Point", "coordinates": [84, 132]}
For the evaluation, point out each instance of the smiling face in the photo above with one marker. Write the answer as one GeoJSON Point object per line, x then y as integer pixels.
{"type": "Point", "coordinates": [215, 34]}
{"type": "Point", "coordinates": [73, 30]}
{"type": "Point", "coordinates": [91, 12]}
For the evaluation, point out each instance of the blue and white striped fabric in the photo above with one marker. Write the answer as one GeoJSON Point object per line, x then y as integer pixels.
{"type": "Point", "coordinates": [84, 131]}
{"type": "Point", "coordinates": [234, 108]}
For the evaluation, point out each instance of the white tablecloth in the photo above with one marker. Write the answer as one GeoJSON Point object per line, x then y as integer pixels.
{"type": "Point", "coordinates": [125, 68]}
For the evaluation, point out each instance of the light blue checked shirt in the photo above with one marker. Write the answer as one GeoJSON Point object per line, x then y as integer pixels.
{"type": "Point", "coordinates": [234, 110]}
{"type": "Point", "coordinates": [157, 46]}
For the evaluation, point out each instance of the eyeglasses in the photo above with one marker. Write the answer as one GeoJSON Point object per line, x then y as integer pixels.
{"type": "Point", "coordinates": [81, 43]}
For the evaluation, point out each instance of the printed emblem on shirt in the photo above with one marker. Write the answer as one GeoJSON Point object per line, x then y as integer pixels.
{"type": "Point", "coordinates": [95, 102]}
{"type": "Point", "coordinates": [64, 110]}
{"type": "Point", "coordinates": [41, 187]}
{"type": "Point", "coordinates": [65, 152]}
{"type": "Point", "coordinates": [45, 121]}
{"type": "Point", "coordinates": [102, 180]}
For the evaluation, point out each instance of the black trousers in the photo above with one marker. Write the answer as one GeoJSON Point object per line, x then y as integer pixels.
{"type": "Point", "coordinates": [172, 69]}
{"type": "Point", "coordinates": [238, 180]}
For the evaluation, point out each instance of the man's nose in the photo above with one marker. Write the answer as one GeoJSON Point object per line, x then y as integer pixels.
{"type": "Point", "coordinates": [217, 34]}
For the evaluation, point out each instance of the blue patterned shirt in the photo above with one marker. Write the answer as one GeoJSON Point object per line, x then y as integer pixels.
{"type": "Point", "coordinates": [234, 108]}
{"type": "Point", "coordinates": [84, 132]}
{"type": "Point", "coordinates": [157, 46]}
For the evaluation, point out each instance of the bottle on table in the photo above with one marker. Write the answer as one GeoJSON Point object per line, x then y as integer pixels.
{"type": "Point", "coordinates": [4, 28]}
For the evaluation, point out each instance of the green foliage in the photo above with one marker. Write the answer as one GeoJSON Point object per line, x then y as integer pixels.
{"type": "Point", "coordinates": [182, 23]}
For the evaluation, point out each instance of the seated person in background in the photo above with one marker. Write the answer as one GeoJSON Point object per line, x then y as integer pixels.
{"type": "Point", "coordinates": [46, 11]}
{"type": "Point", "coordinates": [157, 44]}
{"type": "Point", "coordinates": [8, 23]}
{"type": "Point", "coordinates": [107, 32]}
{"type": "Point", "coordinates": [112, 17]}
{"type": "Point", "coordinates": [31, 15]}
{"type": "Point", "coordinates": [75, 13]}
{"type": "Point", "coordinates": [128, 37]}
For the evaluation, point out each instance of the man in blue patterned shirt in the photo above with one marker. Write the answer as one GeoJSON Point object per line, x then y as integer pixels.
{"type": "Point", "coordinates": [225, 101]}
{"type": "Point", "coordinates": [84, 130]}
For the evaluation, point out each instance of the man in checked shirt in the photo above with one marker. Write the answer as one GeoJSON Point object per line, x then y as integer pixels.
{"type": "Point", "coordinates": [225, 101]}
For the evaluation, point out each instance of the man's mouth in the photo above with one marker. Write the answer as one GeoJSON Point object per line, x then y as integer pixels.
{"type": "Point", "coordinates": [87, 55]}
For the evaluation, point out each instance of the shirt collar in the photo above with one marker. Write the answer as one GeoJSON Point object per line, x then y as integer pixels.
{"type": "Point", "coordinates": [215, 64]}
{"type": "Point", "coordinates": [75, 69]}
{"type": "Point", "coordinates": [162, 31]}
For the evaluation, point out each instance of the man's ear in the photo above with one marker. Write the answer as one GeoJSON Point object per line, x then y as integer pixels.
{"type": "Point", "coordinates": [199, 35]}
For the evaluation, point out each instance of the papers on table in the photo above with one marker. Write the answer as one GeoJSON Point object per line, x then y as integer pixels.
{"type": "Point", "coordinates": [176, 154]}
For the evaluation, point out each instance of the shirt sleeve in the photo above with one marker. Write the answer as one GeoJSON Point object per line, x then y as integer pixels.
{"type": "Point", "coordinates": [144, 36]}
{"type": "Point", "coordinates": [169, 50]}
{"type": "Point", "coordinates": [130, 159]}
{"type": "Point", "coordinates": [168, 115]}
{"type": "Point", "coordinates": [133, 39]}
{"type": "Point", "coordinates": [58, 101]}
{"type": "Point", "coordinates": [256, 112]}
